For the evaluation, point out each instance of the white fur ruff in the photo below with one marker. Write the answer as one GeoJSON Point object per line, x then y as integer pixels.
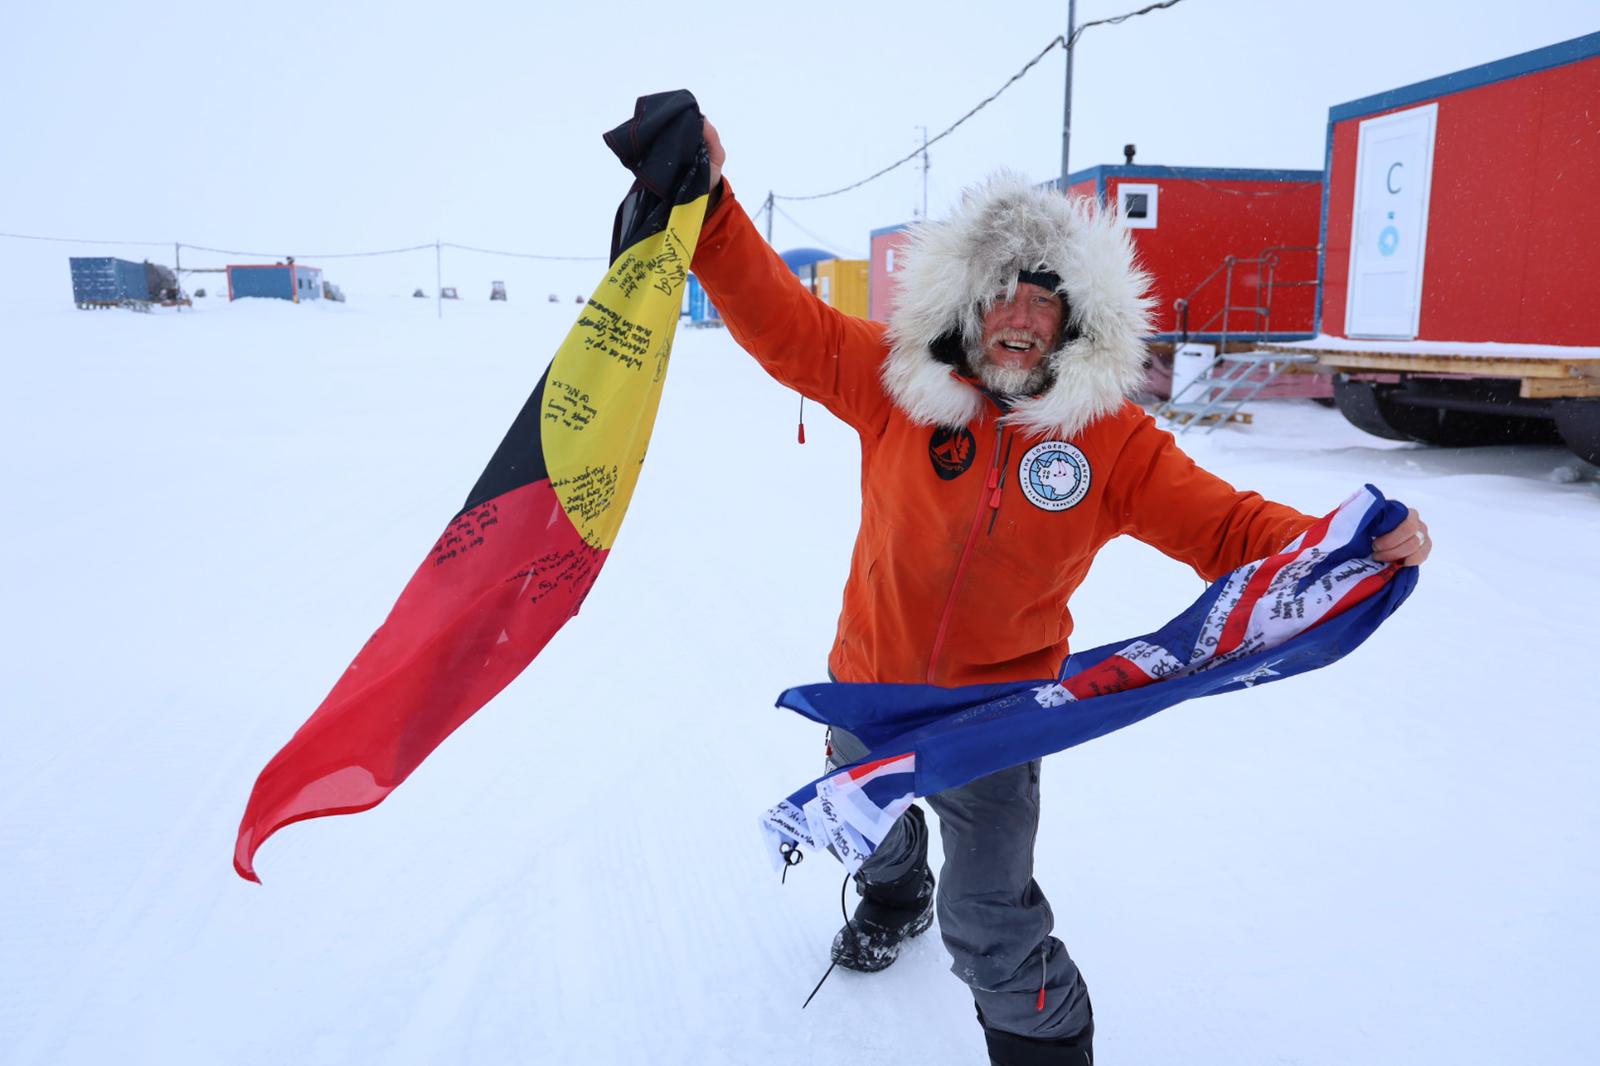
{"type": "Point", "coordinates": [954, 268]}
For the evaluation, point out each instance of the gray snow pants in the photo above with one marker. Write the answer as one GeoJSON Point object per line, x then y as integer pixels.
{"type": "Point", "coordinates": [994, 919]}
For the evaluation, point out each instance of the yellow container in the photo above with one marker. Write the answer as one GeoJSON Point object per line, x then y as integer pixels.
{"type": "Point", "coordinates": [842, 283]}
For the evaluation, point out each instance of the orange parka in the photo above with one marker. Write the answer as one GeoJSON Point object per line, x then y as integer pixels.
{"type": "Point", "coordinates": [965, 558]}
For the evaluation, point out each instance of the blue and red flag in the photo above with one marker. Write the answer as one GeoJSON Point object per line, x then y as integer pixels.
{"type": "Point", "coordinates": [1304, 607]}
{"type": "Point", "coordinates": [522, 553]}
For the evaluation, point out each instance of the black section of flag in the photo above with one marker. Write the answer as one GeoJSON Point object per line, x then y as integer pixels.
{"type": "Point", "coordinates": [519, 460]}
{"type": "Point", "coordinates": [662, 144]}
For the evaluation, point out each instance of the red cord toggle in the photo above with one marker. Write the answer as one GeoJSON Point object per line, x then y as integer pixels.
{"type": "Point", "coordinates": [1041, 998]}
{"type": "Point", "coordinates": [802, 433]}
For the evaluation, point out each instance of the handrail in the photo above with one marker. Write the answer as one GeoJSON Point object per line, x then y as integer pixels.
{"type": "Point", "coordinates": [1269, 259]}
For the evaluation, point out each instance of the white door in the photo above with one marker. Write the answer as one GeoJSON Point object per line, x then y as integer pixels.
{"type": "Point", "coordinates": [1389, 230]}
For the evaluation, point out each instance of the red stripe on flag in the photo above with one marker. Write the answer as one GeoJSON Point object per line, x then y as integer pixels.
{"type": "Point", "coordinates": [500, 582]}
{"type": "Point", "coordinates": [867, 768]}
{"type": "Point", "coordinates": [1233, 630]}
{"type": "Point", "coordinates": [1111, 674]}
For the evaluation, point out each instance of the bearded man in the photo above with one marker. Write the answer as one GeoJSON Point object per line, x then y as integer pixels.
{"type": "Point", "coordinates": [999, 451]}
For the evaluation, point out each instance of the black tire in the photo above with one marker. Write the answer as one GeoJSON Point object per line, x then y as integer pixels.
{"type": "Point", "coordinates": [1362, 405]}
{"type": "Point", "coordinates": [1382, 411]}
{"type": "Point", "coordinates": [1578, 423]}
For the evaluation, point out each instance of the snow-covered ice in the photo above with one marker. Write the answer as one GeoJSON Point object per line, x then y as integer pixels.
{"type": "Point", "coordinates": [1393, 860]}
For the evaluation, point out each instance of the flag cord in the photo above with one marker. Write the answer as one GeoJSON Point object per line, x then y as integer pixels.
{"type": "Point", "coordinates": [850, 927]}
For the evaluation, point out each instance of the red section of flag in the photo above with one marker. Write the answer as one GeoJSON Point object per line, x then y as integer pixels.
{"type": "Point", "coordinates": [1238, 624]}
{"type": "Point", "coordinates": [1111, 674]}
{"type": "Point", "coordinates": [501, 580]}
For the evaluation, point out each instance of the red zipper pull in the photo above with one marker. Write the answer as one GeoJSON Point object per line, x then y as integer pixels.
{"type": "Point", "coordinates": [1044, 975]}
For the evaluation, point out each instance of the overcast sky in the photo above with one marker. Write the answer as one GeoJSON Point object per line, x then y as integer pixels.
{"type": "Point", "coordinates": [330, 127]}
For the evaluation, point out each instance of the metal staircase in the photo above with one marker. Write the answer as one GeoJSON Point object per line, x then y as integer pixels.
{"type": "Point", "coordinates": [1232, 379]}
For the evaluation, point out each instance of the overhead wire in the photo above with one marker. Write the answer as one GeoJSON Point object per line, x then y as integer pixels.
{"type": "Point", "coordinates": [1058, 40]}
{"type": "Point", "coordinates": [832, 246]}
{"type": "Point", "coordinates": [308, 255]}
{"type": "Point", "coordinates": [1116, 19]}
{"type": "Point", "coordinates": [1029, 65]}
{"type": "Point", "coordinates": [74, 240]}
{"type": "Point", "coordinates": [280, 254]}
{"type": "Point", "coordinates": [527, 255]}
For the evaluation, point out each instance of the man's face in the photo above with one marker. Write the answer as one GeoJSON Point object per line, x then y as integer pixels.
{"type": "Point", "coordinates": [1017, 335]}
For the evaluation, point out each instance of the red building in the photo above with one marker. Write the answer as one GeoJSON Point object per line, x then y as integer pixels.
{"type": "Point", "coordinates": [883, 249]}
{"type": "Point", "coordinates": [1466, 208]}
{"type": "Point", "coordinates": [1187, 221]}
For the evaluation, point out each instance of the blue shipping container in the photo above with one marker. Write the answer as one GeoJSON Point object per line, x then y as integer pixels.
{"type": "Point", "coordinates": [104, 281]}
{"type": "Point", "coordinates": [280, 281]}
{"type": "Point", "coordinates": [701, 309]}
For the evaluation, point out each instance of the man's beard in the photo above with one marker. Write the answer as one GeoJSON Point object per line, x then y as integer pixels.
{"type": "Point", "coordinates": [1014, 381]}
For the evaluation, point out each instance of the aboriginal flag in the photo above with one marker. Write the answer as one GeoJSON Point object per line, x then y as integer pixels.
{"type": "Point", "coordinates": [522, 553]}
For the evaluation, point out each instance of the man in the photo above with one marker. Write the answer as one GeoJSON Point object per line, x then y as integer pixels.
{"type": "Point", "coordinates": [999, 451]}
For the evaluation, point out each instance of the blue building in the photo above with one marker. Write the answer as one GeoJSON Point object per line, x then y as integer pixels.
{"type": "Point", "coordinates": [698, 306]}
{"type": "Point", "coordinates": [103, 281]}
{"type": "Point", "coordinates": [277, 281]}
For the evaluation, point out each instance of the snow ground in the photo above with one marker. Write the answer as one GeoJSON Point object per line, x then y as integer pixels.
{"type": "Point", "coordinates": [1391, 861]}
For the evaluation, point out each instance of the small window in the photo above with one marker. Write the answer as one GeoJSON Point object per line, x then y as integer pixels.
{"type": "Point", "coordinates": [1136, 205]}
{"type": "Point", "coordinates": [888, 261]}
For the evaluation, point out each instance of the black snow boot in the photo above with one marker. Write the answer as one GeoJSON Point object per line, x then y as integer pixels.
{"type": "Point", "coordinates": [1009, 1049]}
{"type": "Point", "coordinates": [888, 914]}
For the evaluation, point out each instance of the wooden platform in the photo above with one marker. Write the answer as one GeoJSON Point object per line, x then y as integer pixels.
{"type": "Point", "coordinates": [1544, 377]}
{"type": "Point", "coordinates": [1180, 417]}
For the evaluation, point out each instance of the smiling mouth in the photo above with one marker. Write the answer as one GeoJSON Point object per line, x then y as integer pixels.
{"type": "Point", "coordinates": [1018, 346]}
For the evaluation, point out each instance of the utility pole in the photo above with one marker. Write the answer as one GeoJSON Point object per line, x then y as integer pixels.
{"type": "Point", "coordinates": [438, 277]}
{"type": "Point", "coordinates": [177, 276]}
{"type": "Point", "coordinates": [925, 165]}
{"type": "Point", "coordinates": [769, 216]}
{"type": "Point", "coordinates": [1066, 110]}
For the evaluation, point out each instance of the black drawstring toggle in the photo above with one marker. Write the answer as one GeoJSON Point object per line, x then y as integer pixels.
{"type": "Point", "coordinates": [792, 856]}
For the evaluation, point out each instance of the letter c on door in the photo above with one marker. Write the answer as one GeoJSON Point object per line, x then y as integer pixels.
{"type": "Point", "coordinates": [1388, 179]}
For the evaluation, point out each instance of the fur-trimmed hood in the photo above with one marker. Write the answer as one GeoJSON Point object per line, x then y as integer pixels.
{"type": "Point", "coordinates": [952, 270]}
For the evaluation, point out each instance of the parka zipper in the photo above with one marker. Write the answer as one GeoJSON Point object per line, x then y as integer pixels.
{"type": "Point", "coordinates": [988, 500]}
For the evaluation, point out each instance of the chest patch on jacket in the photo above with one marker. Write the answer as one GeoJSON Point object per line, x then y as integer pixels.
{"type": "Point", "coordinates": [952, 451]}
{"type": "Point", "coordinates": [1054, 475]}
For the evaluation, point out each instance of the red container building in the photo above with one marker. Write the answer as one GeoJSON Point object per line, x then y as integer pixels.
{"type": "Point", "coordinates": [1187, 221]}
{"type": "Point", "coordinates": [883, 249]}
{"type": "Point", "coordinates": [1466, 208]}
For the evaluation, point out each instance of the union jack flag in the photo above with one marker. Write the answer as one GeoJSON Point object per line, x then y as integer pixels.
{"type": "Point", "coordinates": [1304, 607]}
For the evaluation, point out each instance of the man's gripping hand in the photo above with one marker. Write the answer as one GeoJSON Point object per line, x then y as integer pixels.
{"type": "Point", "coordinates": [1407, 543]}
{"type": "Point", "coordinates": [714, 150]}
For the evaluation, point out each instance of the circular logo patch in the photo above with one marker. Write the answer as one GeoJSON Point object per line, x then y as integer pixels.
{"type": "Point", "coordinates": [1054, 475]}
{"type": "Point", "coordinates": [952, 451]}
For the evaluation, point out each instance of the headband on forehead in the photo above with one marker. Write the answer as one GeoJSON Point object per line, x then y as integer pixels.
{"type": "Point", "coordinates": [1042, 278]}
